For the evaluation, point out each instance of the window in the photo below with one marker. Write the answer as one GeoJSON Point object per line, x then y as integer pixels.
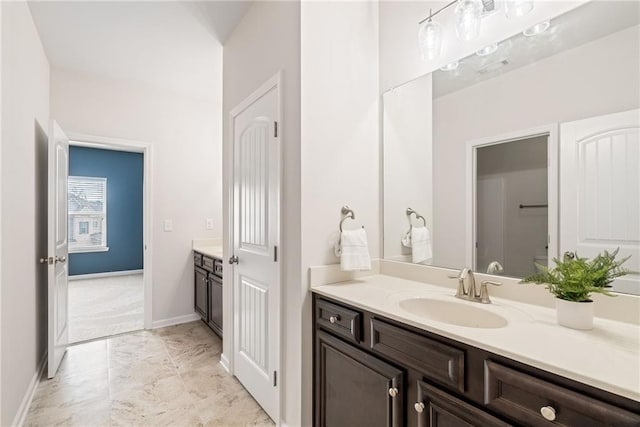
{"type": "Point", "coordinates": [87, 214]}
{"type": "Point", "coordinates": [83, 227]}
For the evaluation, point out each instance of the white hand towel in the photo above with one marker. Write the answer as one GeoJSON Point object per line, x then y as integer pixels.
{"type": "Point", "coordinates": [420, 244]}
{"type": "Point", "coordinates": [354, 250]}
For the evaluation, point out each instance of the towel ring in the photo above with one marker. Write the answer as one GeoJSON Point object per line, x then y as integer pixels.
{"type": "Point", "coordinates": [346, 213]}
{"type": "Point", "coordinates": [418, 216]}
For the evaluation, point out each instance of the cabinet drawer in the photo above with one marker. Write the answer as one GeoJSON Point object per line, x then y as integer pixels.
{"type": "Point", "coordinates": [217, 267]}
{"type": "Point", "coordinates": [197, 259]}
{"type": "Point", "coordinates": [435, 360]}
{"type": "Point", "coordinates": [522, 397]}
{"type": "Point", "coordinates": [207, 263]}
{"type": "Point", "coordinates": [342, 321]}
{"type": "Point", "coordinates": [437, 408]}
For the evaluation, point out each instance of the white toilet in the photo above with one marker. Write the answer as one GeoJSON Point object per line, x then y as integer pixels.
{"type": "Point", "coordinates": [541, 260]}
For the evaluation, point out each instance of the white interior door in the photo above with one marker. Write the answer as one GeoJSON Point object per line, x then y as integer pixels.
{"type": "Point", "coordinates": [256, 234]}
{"type": "Point", "coordinates": [58, 247]}
{"type": "Point", "coordinates": [600, 189]}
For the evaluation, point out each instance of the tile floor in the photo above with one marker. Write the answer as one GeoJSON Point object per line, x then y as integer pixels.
{"type": "Point", "coordinates": [106, 306]}
{"type": "Point", "coordinates": [165, 377]}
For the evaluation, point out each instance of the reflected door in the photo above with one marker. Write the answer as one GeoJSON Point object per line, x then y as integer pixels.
{"type": "Point", "coordinates": [600, 189]}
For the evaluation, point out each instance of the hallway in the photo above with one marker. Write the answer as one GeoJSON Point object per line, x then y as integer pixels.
{"type": "Point", "coordinates": [168, 376]}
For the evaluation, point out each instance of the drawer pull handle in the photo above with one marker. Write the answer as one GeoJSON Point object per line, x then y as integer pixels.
{"type": "Point", "coordinates": [334, 319]}
{"type": "Point", "coordinates": [419, 407]}
{"type": "Point", "coordinates": [548, 413]}
{"type": "Point", "coordinates": [393, 392]}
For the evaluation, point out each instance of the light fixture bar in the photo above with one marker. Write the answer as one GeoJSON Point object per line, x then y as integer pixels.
{"type": "Point", "coordinates": [431, 15]}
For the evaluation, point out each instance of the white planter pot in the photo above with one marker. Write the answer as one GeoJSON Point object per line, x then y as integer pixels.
{"type": "Point", "coordinates": [576, 315]}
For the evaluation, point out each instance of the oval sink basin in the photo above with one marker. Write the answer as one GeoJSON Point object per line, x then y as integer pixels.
{"type": "Point", "coordinates": [453, 313]}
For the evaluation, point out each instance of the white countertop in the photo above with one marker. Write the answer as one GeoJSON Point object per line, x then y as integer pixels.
{"type": "Point", "coordinates": [607, 357]}
{"type": "Point", "coordinates": [212, 251]}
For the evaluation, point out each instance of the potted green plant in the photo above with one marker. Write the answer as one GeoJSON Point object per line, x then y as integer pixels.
{"type": "Point", "coordinates": [574, 279]}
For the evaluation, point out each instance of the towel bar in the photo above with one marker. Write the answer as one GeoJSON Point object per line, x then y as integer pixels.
{"type": "Point", "coordinates": [418, 216]}
{"type": "Point", "coordinates": [346, 213]}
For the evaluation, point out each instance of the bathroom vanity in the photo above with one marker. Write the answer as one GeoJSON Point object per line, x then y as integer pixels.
{"type": "Point", "coordinates": [378, 361]}
{"type": "Point", "coordinates": [208, 288]}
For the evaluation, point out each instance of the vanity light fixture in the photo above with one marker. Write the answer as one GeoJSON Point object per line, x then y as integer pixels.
{"type": "Point", "coordinates": [468, 18]}
{"type": "Point", "coordinates": [518, 8]}
{"type": "Point", "coordinates": [539, 28]}
{"type": "Point", "coordinates": [487, 50]}
{"type": "Point", "coordinates": [450, 66]}
{"type": "Point", "coordinates": [430, 38]}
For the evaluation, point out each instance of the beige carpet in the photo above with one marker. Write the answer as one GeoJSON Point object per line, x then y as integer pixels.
{"type": "Point", "coordinates": [103, 307]}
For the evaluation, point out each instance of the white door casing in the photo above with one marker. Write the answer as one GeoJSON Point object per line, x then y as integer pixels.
{"type": "Point", "coordinates": [256, 236]}
{"type": "Point", "coordinates": [58, 248]}
{"type": "Point", "coordinates": [600, 189]}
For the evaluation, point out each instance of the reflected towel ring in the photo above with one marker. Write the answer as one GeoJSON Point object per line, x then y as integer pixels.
{"type": "Point", "coordinates": [418, 216]}
{"type": "Point", "coordinates": [346, 213]}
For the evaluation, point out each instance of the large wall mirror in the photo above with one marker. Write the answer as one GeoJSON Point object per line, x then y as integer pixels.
{"type": "Point", "coordinates": [521, 152]}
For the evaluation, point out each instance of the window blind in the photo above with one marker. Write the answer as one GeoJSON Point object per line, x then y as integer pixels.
{"type": "Point", "coordinates": [87, 210]}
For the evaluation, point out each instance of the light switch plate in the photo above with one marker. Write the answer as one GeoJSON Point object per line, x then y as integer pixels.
{"type": "Point", "coordinates": [168, 225]}
{"type": "Point", "coordinates": [209, 223]}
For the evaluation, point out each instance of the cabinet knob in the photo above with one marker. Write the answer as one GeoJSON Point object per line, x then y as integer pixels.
{"type": "Point", "coordinates": [334, 319]}
{"type": "Point", "coordinates": [419, 407]}
{"type": "Point", "coordinates": [393, 392]}
{"type": "Point", "coordinates": [548, 413]}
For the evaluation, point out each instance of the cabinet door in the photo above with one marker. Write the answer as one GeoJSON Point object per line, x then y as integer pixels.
{"type": "Point", "coordinates": [437, 408]}
{"type": "Point", "coordinates": [353, 388]}
{"type": "Point", "coordinates": [200, 296]}
{"type": "Point", "coordinates": [215, 305]}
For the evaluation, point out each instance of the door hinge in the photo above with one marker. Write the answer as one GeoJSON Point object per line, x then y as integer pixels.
{"type": "Point", "coordinates": [275, 129]}
{"type": "Point", "coordinates": [275, 378]}
{"type": "Point", "coordinates": [275, 254]}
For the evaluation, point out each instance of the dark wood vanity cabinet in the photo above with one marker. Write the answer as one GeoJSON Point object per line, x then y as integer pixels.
{"type": "Point", "coordinates": [208, 290]}
{"type": "Point", "coordinates": [370, 370]}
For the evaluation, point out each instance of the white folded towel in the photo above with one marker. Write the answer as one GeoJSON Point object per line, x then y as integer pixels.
{"type": "Point", "coordinates": [420, 244]}
{"type": "Point", "coordinates": [353, 250]}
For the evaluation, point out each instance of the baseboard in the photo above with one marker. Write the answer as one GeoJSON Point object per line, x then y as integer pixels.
{"type": "Point", "coordinates": [21, 415]}
{"type": "Point", "coordinates": [105, 274]}
{"type": "Point", "coordinates": [224, 361]}
{"type": "Point", "coordinates": [175, 320]}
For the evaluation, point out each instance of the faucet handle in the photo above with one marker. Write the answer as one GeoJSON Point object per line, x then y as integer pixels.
{"type": "Point", "coordinates": [484, 292]}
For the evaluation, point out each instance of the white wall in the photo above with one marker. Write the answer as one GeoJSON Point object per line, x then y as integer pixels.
{"type": "Point", "coordinates": [266, 41]}
{"type": "Point", "coordinates": [185, 135]}
{"type": "Point", "coordinates": [340, 139]}
{"type": "Point", "coordinates": [407, 125]}
{"type": "Point", "coordinates": [579, 83]}
{"type": "Point", "coordinates": [25, 117]}
{"type": "Point", "coordinates": [400, 59]}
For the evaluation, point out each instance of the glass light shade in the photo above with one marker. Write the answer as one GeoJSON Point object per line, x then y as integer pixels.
{"type": "Point", "coordinates": [518, 8]}
{"type": "Point", "coordinates": [450, 66]}
{"type": "Point", "coordinates": [468, 18]}
{"type": "Point", "coordinates": [430, 39]}
{"type": "Point", "coordinates": [537, 29]}
{"type": "Point", "coordinates": [487, 50]}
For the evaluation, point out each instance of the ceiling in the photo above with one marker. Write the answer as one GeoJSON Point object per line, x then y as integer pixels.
{"type": "Point", "coordinates": [173, 45]}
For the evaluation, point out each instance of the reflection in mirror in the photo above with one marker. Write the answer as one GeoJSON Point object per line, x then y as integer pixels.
{"type": "Point", "coordinates": [526, 152]}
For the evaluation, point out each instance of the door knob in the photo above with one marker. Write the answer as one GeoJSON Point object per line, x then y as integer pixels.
{"type": "Point", "coordinates": [61, 259]}
{"type": "Point", "coordinates": [46, 260]}
{"type": "Point", "coordinates": [233, 259]}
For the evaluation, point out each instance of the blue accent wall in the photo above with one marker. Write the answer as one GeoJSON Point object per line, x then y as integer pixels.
{"type": "Point", "coordinates": [124, 173]}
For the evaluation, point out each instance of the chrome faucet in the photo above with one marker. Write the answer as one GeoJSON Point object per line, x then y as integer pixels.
{"type": "Point", "coordinates": [470, 293]}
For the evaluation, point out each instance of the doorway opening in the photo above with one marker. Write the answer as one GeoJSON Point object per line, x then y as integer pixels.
{"type": "Point", "coordinates": [513, 201]}
{"type": "Point", "coordinates": [106, 234]}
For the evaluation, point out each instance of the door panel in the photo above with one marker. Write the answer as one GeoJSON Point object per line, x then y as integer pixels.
{"type": "Point", "coordinates": [600, 189]}
{"type": "Point", "coordinates": [58, 247]}
{"type": "Point", "coordinates": [256, 276]}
